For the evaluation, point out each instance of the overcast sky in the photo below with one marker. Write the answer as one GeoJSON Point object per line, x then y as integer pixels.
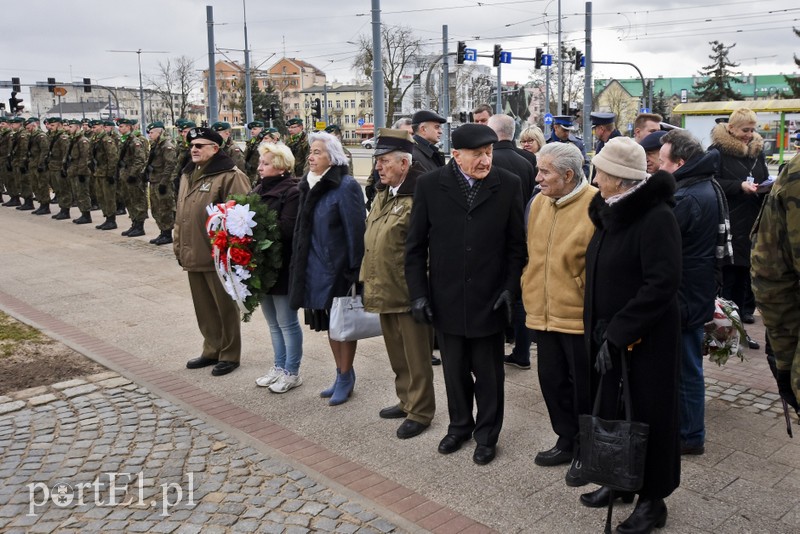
{"type": "Point", "coordinates": [70, 39]}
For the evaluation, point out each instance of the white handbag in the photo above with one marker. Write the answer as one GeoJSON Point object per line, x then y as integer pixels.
{"type": "Point", "coordinates": [349, 321]}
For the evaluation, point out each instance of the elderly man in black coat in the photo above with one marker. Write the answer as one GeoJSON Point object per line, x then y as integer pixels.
{"type": "Point", "coordinates": [506, 157]}
{"type": "Point", "coordinates": [464, 256]}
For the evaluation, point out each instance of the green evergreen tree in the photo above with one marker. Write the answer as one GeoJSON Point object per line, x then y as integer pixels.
{"type": "Point", "coordinates": [794, 81]}
{"type": "Point", "coordinates": [718, 76]}
{"type": "Point", "coordinates": [262, 102]}
{"type": "Point", "coordinates": [661, 105]}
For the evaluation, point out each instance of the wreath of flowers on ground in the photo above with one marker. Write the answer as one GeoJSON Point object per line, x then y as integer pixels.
{"type": "Point", "coordinates": [245, 245]}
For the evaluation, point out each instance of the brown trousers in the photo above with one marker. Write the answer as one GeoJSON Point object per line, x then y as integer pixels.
{"type": "Point", "coordinates": [217, 316]}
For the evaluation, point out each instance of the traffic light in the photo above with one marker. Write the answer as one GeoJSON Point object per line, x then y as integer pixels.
{"type": "Point", "coordinates": [462, 49]}
{"type": "Point", "coordinates": [14, 103]}
{"type": "Point", "coordinates": [87, 85]}
{"type": "Point", "coordinates": [462, 116]}
{"type": "Point", "coordinates": [51, 84]}
{"type": "Point", "coordinates": [578, 60]}
{"type": "Point", "coordinates": [496, 57]}
{"type": "Point", "coordinates": [316, 109]}
{"type": "Point", "coordinates": [15, 85]}
{"type": "Point", "coordinates": [538, 62]}
{"type": "Point", "coordinates": [273, 112]}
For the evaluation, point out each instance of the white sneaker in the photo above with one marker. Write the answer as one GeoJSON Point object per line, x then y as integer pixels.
{"type": "Point", "coordinates": [270, 377]}
{"type": "Point", "coordinates": [285, 382]}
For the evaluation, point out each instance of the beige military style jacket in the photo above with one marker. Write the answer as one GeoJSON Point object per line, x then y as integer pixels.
{"type": "Point", "coordinates": [201, 186]}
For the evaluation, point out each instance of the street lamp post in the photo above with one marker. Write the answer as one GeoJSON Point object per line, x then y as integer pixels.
{"type": "Point", "coordinates": [139, 52]}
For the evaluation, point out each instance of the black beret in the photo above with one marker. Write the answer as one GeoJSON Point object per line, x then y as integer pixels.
{"type": "Point", "coordinates": [473, 136]}
{"type": "Point", "coordinates": [427, 116]}
{"type": "Point", "coordinates": [205, 133]}
{"type": "Point", "coordinates": [652, 141]}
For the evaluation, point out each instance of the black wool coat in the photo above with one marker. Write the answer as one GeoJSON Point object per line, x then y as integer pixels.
{"type": "Point", "coordinates": [427, 155]}
{"type": "Point", "coordinates": [474, 253]}
{"type": "Point", "coordinates": [633, 271]}
{"type": "Point", "coordinates": [505, 156]}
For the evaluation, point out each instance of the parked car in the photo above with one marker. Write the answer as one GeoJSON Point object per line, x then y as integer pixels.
{"type": "Point", "coordinates": [368, 143]}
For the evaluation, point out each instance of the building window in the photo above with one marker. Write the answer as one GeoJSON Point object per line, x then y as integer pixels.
{"type": "Point", "coordinates": [353, 103]}
{"type": "Point", "coordinates": [346, 104]}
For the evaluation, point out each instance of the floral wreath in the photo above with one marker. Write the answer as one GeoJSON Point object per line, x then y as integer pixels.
{"type": "Point", "coordinates": [245, 245]}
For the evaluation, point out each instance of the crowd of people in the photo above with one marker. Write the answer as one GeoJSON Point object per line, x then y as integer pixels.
{"type": "Point", "coordinates": [622, 260]}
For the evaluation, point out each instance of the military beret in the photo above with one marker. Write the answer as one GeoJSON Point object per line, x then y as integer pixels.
{"type": "Point", "coordinates": [179, 123]}
{"type": "Point", "coordinates": [3, 119]}
{"type": "Point", "coordinates": [473, 136]}
{"type": "Point", "coordinates": [393, 140]}
{"type": "Point", "coordinates": [220, 126]}
{"type": "Point", "coordinates": [565, 121]}
{"type": "Point", "coordinates": [155, 124]}
{"type": "Point", "coordinates": [600, 119]}
{"type": "Point", "coordinates": [129, 122]}
{"type": "Point", "coordinates": [31, 120]}
{"type": "Point", "coordinates": [271, 130]}
{"type": "Point", "coordinates": [54, 119]}
{"type": "Point", "coordinates": [85, 120]}
{"type": "Point", "coordinates": [652, 141]}
{"type": "Point", "coordinates": [427, 116]}
{"type": "Point", "coordinates": [205, 133]}
{"type": "Point", "coordinates": [255, 124]}
{"type": "Point", "coordinates": [721, 120]}
{"type": "Point", "coordinates": [188, 124]}
{"type": "Point", "coordinates": [73, 121]}
{"type": "Point", "coordinates": [294, 121]}
{"type": "Point", "coordinates": [20, 120]}
{"type": "Point", "coordinates": [108, 122]}
{"type": "Point", "coordinates": [95, 122]}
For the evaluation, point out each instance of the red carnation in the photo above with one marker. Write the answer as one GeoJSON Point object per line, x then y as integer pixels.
{"type": "Point", "coordinates": [241, 256]}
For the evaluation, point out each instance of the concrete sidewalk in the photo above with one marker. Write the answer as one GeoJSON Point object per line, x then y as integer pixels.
{"type": "Point", "coordinates": [126, 304]}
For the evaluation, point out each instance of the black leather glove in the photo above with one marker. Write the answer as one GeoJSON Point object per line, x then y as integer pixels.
{"type": "Point", "coordinates": [784, 380]}
{"type": "Point", "coordinates": [162, 189]}
{"type": "Point", "coordinates": [505, 299]}
{"type": "Point", "coordinates": [131, 179]}
{"type": "Point", "coordinates": [110, 180]}
{"type": "Point", "coordinates": [421, 310]}
{"type": "Point", "coordinates": [602, 362]}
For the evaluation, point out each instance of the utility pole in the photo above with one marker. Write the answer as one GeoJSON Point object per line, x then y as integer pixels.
{"type": "Point", "coordinates": [377, 69]}
{"type": "Point", "coordinates": [139, 52]}
{"type": "Point", "coordinates": [248, 96]}
{"type": "Point", "coordinates": [212, 73]}
{"type": "Point", "coordinates": [560, 109]}
{"type": "Point", "coordinates": [587, 76]}
{"type": "Point", "coordinates": [445, 91]}
{"type": "Point", "coordinates": [498, 105]}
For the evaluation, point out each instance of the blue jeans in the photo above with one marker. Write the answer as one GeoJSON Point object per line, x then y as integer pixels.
{"type": "Point", "coordinates": [692, 388]}
{"type": "Point", "coordinates": [287, 336]}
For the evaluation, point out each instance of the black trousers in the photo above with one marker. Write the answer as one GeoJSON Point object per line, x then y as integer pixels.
{"type": "Point", "coordinates": [565, 382]}
{"type": "Point", "coordinates": [473, 368]}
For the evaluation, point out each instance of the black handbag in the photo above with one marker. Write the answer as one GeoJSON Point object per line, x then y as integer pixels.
{"type": "Point", "coordinates": [612, 453]}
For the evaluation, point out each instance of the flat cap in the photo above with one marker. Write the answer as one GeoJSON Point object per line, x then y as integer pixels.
{"type": "Point", "coordinates": [427, 115]}
{"type": "Point", "coordinates": [393, 140]}
{"type": "Point", "coordinates": [221, 126]}
{"type": "Point", "coordinates": [473, 136]}
{"type": "Point", "coordinates": [565, 121]}
{"type": "Point", "coordinates": [205, 133]}
{"type": "Point", "coordinates": [653, 141]}
{"type": "Point", "coordinates": [255, 124]}
{"type": "Point", "coordinates": [599, 118]}
{"type": "Point", "coordinates": [155, 124]}
{"type": "Point", "coordinates": [292, 122]}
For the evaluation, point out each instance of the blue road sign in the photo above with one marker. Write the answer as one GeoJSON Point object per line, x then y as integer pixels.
{"type": "Point", "coordinates": [361, 122]}
{"type": "Point", "coordinates": [470, 54]}
{"type": "Point", "coordinates": [548, 117]}
{"type": "Point", "coordinates": [645, 110]}
{"type": "Point", "coordinates": [505, 57]}
{"type": "Point", "coordinates": [547, 60]}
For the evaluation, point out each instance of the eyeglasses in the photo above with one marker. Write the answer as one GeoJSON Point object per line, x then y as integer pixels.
{"type": "Point", "coordinates": [199, 146]}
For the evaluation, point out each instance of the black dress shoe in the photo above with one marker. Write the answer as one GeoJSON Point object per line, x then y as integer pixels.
{"type": "Point", "coordinates": [747, 318]}
{"type": "Point", "coordinates": [649, 514]}
{"type": "Point", "coordinates": [573, 477]}
{"type": "Point", "coordinates": [554, 456]}
{"type": "Point", "coordinates": [392, 412]}
{"type": "Point", "coordinates": [223, 368]}
{"type": "Point", "coordinates": [484, 454]}
{"type": "Point", "coordinates": [435, 361]}
{"type": "Point", "coordinates": [752, 343]}
{"type": "Point", "coordinates": [694, 450]}
{"type": "Point", "coordinates": [599, 497]}
{"type": "Point", "coordinates": [451, 443]}
{"type": "Point", "coordinates": [197, 363]}
{"type": "Point", "coordinates": [410, 428]}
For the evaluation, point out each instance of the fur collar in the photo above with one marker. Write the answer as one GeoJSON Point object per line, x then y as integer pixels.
{"type": "Point", "coordinates": [730, 146]}
{"type": "Point", "coordinates": [658, 189]}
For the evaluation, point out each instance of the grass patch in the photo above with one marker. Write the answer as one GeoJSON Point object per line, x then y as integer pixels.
{"type": "Point", "coordinates": [13, 333]}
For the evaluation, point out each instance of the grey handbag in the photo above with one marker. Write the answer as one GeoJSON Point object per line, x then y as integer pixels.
{"type": "Point", "coordinates": [349, 321]}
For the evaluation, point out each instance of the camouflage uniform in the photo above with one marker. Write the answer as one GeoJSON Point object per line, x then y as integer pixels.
{"type": "Point", "coordinates": [56, 156]}
{"type": "Point", "coordinates": [775, 272]}
{"type": "Point", "coordinates": [233, 151]}
{"type": "Point", "coordinates": [5, 148]}
{"type": "Point", "coordinates": [251, 157]}
{"type": "Point", "coordinates": [298, 144]}
{"type": "Point", "coordinates": [77, 170]}
{"type": "Point", "coordinates": [105, 154]}
{"type": "Point", "coordinates": [132, 161]}
{"type": "Point", "coordinates": [38, 148]}
{"type": "Point", "coordinates": [182, 158]}
{"type": "Point", "coordinates": [19, 164]}
{"type": "Point", "coordinates": [160, 169]}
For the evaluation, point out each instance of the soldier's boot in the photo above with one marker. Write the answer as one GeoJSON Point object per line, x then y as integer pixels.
{"type": "Point", "coordinates": [44, 209]}
{"type": "Point", "coordinates": [27, 205]}
{"type": "Point", "coordinates": [109, 224]}
{"type": "Point", "coordinates": [63, 214]}
{"type": "Point", "coordinates": [137, 229]}
{"type": "Point", "coordinates": [85, 218]}
{"type": "Point", "coordinates": [12, 202]}
{"type": "Point", "coordinates": [120, 209]}
{"type": "Point", "coordinates": [164, 239]}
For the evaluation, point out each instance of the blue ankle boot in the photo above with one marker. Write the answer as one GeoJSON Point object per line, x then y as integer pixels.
{"type": "Point", "coordinates": [343, 388]}
{"type": "Point", "coordinates": [327, 393]}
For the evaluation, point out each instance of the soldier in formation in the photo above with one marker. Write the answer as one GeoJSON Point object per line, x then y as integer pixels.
{"type": "Point", "coordinates": [105, 156]}
{"type": "Point", "coordinates": [37, 158]}
{"type": "Point", "coordinates": [298, 144]}
{"type": "Point", "coordinates": [76, 170]}
{"type": "Point", "coordinates": [230, 148]}
{"type": "Point", "coordinates": [159, 171]}
{"type": "Point", "coordinates": [130, 172]}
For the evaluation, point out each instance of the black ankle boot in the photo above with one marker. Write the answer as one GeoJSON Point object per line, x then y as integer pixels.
{"type": "Point", "coordinates": [137, 229]}
{"type": "Point", "coordinates": [12, 202]}
{"type": "Point", "coordinates": [85, 218]}
{"type": "Point", "coordinates": [164, 239]}
{"type": "Point", "coordinates": [27, 205]}
{"type": "Point", "coordinates": [599, 497]}
{"type": "Point", "coordinates": [61, 215]}
{"type": "Point", "coordinates": [648, 515]}
{"type": "Point", "coordinates": [109, 224]}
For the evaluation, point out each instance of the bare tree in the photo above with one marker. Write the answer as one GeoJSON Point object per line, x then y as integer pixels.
{"type": "Point", "coordinates": [572, 88]}
{"type": "Point", "coordinates": [175, 82]}
{"type": "Point", "coordinates": [399, 50]}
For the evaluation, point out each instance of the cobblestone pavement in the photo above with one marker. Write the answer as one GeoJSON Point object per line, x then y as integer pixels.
{"type": "Point", "coordinates": [104, 441]}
